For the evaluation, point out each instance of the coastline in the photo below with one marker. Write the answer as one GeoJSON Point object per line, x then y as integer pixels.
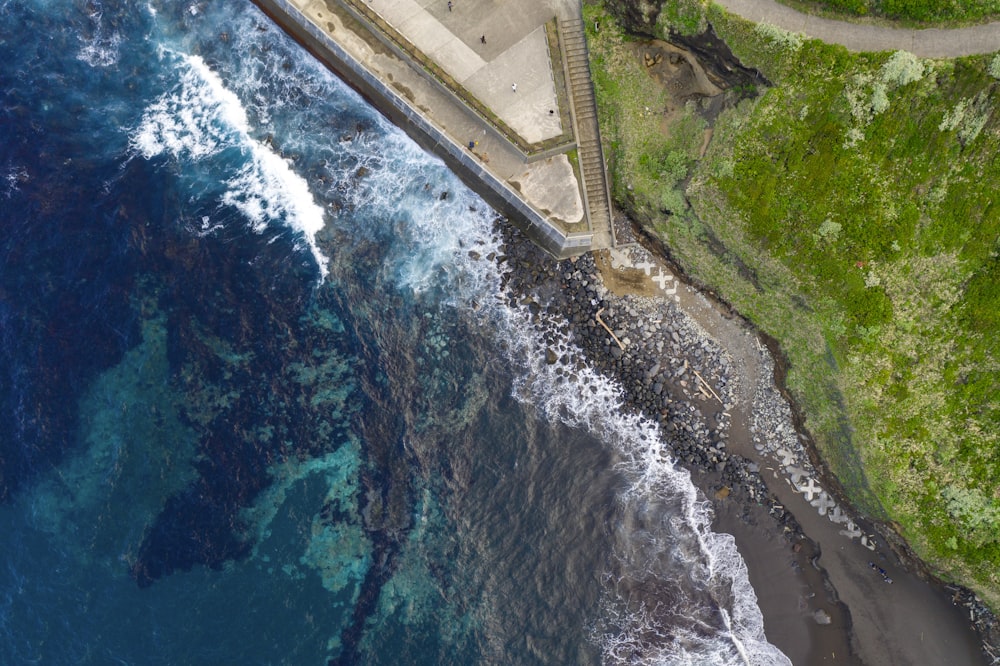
{"type": "Point", "coordinates": [821, 601]}
{"type": "Point", "coordinates": [718, 448]}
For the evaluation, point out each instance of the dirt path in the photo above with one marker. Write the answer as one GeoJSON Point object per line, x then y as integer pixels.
{"type": "Point", "coordinates": [926, 43]}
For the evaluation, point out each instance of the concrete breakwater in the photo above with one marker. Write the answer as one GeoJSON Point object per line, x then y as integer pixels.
{"type": "Point", "coordinates": [543, 196]}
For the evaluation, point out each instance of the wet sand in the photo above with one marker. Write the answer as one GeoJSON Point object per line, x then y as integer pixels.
{"type": "Point", "coordinates": [791, 591]}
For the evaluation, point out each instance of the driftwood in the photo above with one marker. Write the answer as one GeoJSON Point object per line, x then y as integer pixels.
{"type": "Point", "coordinates": [705, 384]}
{"type": "Point", "coordinates": [600, 321]}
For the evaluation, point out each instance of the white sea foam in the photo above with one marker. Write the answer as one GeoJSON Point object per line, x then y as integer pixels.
{"type": "Point", "coordinates": [442, 226]}
{"type": "Point", "coordinates": [593, 402]}
{"type": "Point", "coordinates": [101, 51]}
{"type": "Point", "coordinates": [100, 46]}
{"type": "Point", "coordinates": [12, 179]}
{"type": "Point", "coordinates": [727, 630]}
{"type": "Point", "coordinates": [200, 118]}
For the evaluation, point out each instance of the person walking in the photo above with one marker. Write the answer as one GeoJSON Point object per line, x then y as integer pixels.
{"type": "Point", "coordinates": [513, 87]}
{"type": "Point", "coordinates": [483, 39]}
{"type": "Point", "coordinates": [449, 5]}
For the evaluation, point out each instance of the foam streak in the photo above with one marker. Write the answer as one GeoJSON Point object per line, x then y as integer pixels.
{"type": "Point", "coordinates": [198, 120]}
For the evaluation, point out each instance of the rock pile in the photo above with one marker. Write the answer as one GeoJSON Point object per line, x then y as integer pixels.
{"type": "Point", "coordinates": [671, 371]}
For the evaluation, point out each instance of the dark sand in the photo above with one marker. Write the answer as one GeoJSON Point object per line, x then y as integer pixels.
{"type": "Point", "coordinates": [791, 592]}
{"type": "Point", "coordinates": [822, 603]}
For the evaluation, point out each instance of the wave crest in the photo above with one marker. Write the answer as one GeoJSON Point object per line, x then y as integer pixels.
{"type": "Point", "coordinates": [199, 119]}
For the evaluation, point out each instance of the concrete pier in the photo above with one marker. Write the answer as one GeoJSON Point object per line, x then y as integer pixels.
{"type": "Point", "coordinates": [497, 91]}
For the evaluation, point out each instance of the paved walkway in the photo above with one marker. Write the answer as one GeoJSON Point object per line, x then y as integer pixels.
{"type": "Point", "coordinates": [515, 52]}
{"type": "Point", "coordinates": [926, 43]}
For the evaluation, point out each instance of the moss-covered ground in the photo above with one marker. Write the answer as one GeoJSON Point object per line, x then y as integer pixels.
{"type": "Point", "coordinates": [851, 211]}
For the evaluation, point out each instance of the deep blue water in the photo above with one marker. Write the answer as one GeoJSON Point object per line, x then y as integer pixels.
{"type": "Point", "coordinates": [259, 403]}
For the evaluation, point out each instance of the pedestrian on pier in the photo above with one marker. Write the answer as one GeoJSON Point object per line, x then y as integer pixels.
{"type": "Point", "coordinates": [449, 5]}
{"type": "Point", "coordinates": [513, 87]}
{"type": "Point", "coordinates": [483, 39]}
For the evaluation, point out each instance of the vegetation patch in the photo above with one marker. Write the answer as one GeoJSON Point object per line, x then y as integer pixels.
{"type": "Point", "coordinates": [652, 142]}
{"type": "Point", "coordinates": [851, 212]}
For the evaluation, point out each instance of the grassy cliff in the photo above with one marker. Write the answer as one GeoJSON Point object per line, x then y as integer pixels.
{"type": "Point", "coordinates": [851, 210]}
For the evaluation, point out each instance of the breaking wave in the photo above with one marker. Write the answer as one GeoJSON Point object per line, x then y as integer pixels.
{"type": "Point", "coordinates": [712, 616]}
{"type": "Point", "coordinates": [199, 119]}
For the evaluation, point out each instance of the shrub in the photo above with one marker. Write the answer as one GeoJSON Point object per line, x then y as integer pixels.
{"type": "Point", "coordinates": [779, 38]}
{"type": "Point", "coordinates": [952, 118]}
{"type": "Point", "coordinates": [975, 511]}
{"type": "Point", "coordinates": [828, 231]}
{"type": "Point", "coordinates": [968, 118]}
{"type": "Point", "coordinates": [902, 68]}
{"type": "Point", "coordinates": [686, 17]}
{"type": "Point", "coordinates": [994, 67]}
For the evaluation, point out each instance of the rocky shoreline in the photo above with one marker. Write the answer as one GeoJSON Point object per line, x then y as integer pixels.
{"type": "Point", "coordinates": [722, 419]}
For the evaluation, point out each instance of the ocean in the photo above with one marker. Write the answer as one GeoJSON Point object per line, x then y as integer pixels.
{"type": "Point", "coordinates": [264, 399]}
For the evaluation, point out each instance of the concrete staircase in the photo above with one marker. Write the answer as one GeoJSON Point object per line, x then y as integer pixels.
{"type": "Point", "coordinates": [597, 195]}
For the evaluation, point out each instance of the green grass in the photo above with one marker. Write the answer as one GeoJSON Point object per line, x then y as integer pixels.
{"type": "Point", "coordinates": [851, 212]}
{"type": "Point", "coordinates": [651, 166]}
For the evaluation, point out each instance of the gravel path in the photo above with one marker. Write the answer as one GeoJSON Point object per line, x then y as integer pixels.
{"type": "Point", "coordinates": [926, 43]}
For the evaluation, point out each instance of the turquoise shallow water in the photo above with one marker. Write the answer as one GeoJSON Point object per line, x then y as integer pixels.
{"type": "Point", "coordinates": [263, 400]}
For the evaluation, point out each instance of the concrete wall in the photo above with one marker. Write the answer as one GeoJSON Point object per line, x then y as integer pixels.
{"type": "Point", "coordinates": [468, 167]}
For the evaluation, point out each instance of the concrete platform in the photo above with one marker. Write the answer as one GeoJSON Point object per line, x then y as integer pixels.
{"type": "Point", "coordinates": [371, 46]}
{"type": "Point", "coordinates": [516, 52]}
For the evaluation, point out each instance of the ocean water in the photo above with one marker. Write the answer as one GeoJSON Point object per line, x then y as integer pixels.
{"type": "Point", "coordinates": [263, 401]}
